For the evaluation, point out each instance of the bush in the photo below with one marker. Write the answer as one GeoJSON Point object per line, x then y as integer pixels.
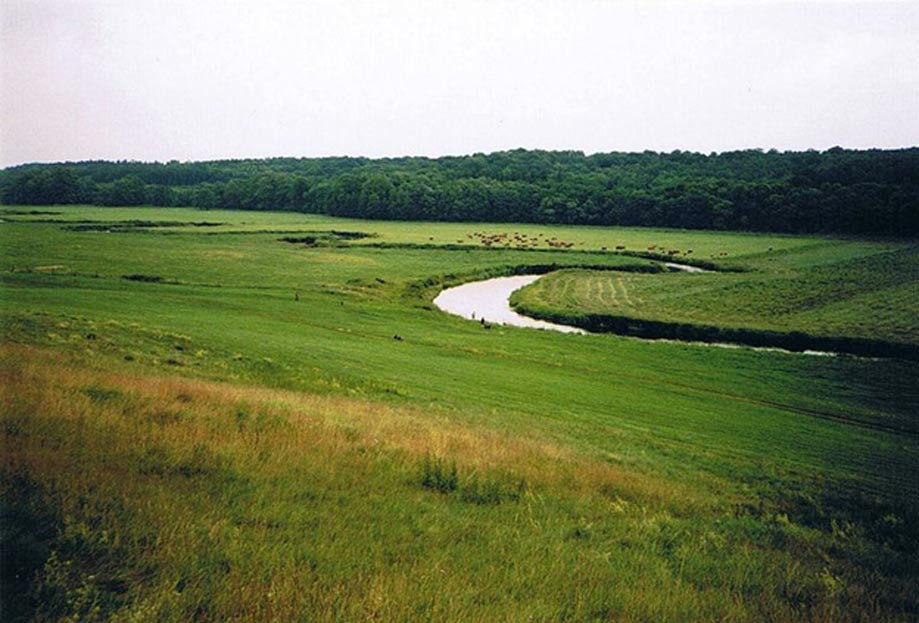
{"type": "Point", "coordinates": [490, 492]}
{"type": "Point", "coordinates": [442, 476]}
{"type": "Point", "coordinates": [439, 475]}
{"type": "Point", "coordinates": [144, 278]}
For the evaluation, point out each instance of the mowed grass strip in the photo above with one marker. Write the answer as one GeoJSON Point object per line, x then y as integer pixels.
{"type": "Point", "coordinates": [875, 296]}
{"type": "Point", "coordinates": [165, 498]}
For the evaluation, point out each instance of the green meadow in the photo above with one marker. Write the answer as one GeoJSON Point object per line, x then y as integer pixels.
{"type": "Point", "coordinates": [862, 291]}
{"type": "Point", "coordinates": [204, 421]}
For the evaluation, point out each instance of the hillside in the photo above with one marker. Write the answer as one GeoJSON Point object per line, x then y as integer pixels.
{"type": "Point", "coordinates": [230, 415]}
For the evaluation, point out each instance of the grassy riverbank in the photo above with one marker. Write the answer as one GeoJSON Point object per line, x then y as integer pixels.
{"type": "Point", "coordinates": [862, 293]}
{"type": "Point", "coordinates": [203, 421]}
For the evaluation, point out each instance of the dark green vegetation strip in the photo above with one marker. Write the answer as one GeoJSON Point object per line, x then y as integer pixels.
{"type": "Point", "coordinates": [651, 329]}
{"type": "Point", "coordinates": [247, 440]}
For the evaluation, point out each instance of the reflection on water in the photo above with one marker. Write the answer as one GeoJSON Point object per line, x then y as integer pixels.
{"type": "Point", "coordinates": [488, 300]}
{"type": "Point", "coordinates": [686, 268]}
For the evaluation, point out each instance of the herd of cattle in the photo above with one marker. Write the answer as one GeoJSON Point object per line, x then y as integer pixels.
{"type": "Point", "coordinates": [520, 240]}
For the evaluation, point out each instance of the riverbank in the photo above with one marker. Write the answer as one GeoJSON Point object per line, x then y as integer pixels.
{"type": "Point", "coordinates": [492, 301]}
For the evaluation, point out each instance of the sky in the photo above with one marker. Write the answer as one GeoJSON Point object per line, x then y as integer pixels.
{"type": "Point", "coordinates": [199, 80]}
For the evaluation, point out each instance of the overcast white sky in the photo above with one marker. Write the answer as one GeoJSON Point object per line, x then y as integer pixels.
{"type": "Point", "coordinates": [153, 80]}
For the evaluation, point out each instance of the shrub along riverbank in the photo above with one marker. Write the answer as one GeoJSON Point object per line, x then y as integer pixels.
{"type": "Point", "coordinates": [655, 329]}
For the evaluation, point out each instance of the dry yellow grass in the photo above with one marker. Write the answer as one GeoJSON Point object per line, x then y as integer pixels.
{"type": "Point", "coordinates": [122, 458]}
{"type": "Point", "coordinates": [194, 411]}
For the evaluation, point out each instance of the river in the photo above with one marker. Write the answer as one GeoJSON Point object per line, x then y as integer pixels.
{"type": "Point", "coordinates": [488, 301]}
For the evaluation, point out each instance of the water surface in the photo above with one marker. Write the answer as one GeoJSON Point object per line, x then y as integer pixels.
{"type": "Point", "coordinates": [488, 300]}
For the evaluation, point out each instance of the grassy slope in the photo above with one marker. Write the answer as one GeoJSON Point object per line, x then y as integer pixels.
{"type": "Point", "coordinates": [834, 288]}
{"type": "Point", "coordinates": [724, 461]}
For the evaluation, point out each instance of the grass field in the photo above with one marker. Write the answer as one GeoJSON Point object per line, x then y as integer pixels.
{"type": "Point", "coordinates": [205, 422]}
{"type": "Point", "coordinates": [841, 289]}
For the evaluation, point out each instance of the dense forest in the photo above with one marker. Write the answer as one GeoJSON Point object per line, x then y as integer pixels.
{"type": "Point", "coordinates": [835, 191]}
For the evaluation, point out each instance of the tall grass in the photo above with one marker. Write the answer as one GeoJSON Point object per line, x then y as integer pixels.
{"type": "Point", "coordinates": [243, 439]}
{"type": "Point", "coordinates": [165, 498]}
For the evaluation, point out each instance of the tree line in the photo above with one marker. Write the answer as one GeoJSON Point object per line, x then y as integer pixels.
{"type": "Point", "coordinates": [840, 191]}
